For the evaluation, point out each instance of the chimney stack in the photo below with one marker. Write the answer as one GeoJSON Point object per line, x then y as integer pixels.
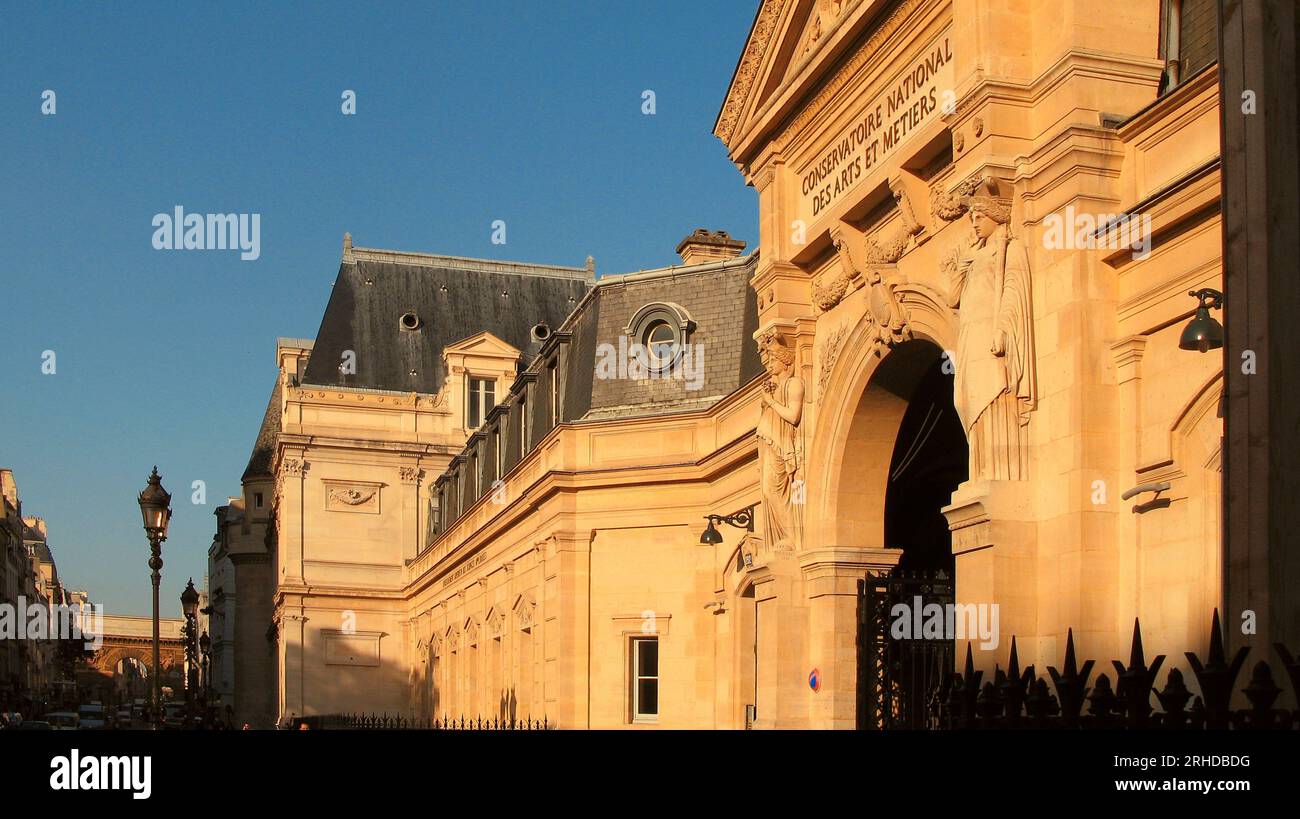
{"type": "Point", "coordinates": [708, 246]}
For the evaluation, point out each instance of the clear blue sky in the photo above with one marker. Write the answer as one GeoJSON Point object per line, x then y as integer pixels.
{"type": "Point", "coordinates": [466, 113]}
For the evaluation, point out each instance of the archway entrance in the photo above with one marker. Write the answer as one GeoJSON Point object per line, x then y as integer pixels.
{"type": "Point", "coordinates": [929, 461]}
{"type": "Point", "coordinates": [905, 455]}
{"type": "Point", "coordinates": [904, 452]}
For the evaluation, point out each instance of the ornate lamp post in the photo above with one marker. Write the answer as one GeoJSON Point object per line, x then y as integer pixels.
{"type": "Point", "coordinates": [190, 606]}
{"type": "Point", "coordinates": [205, 649]}
{"type": "Point", "coordinates": [155, 508]}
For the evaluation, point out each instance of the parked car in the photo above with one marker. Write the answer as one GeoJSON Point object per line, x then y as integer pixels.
{"type": "Point", "coordinates": [63, 720]}
{"type": "Point", "coordinates": [93, 717]}
{"type": "Point", "coordinates": [35, 725]}
{"type": "Point", "coordinates": [124, 717]}
{"type": "Point", "coordinates": [174, 715]}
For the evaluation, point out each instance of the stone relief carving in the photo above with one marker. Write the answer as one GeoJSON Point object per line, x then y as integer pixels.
{"type": "Point", "coordinates": [347, 496]}
{"type": "Point", "coordinates": [524, 613]}
{"type": "Point", "coordinates": [888, 320]}
{"type": "Point", "coordinates": [760, 41]}
{"type": "Point", "coordinates": [780, 443]}
{"type": "Point", "coordinates": [495, 624]}
{"type": "Point", "coordinates": [352, 496]}
{"type": "Point", "coordinates": [830, 288]}
{"type": "Point", "coordinates": [950, 206]}
{"type": "Point", "coordinates": [995, 388]}
{"type": "Point", "coordinates": [900, 15]}
{"type": "Point", "coordinates": [830, 354]}
{"type": "Point", "coordinates": [409, 474]}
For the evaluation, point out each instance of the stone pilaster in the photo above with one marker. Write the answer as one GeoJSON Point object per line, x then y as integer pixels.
{"type": "Point", "coordinates": [830, 580]}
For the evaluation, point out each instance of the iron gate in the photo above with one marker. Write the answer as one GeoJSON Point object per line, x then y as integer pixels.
{"type": "Point", "coordinates": [899, 679]}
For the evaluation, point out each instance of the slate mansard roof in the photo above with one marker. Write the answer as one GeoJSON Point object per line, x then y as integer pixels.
{"type": "Point", "coordinates": [259, 463]}
{"type": "Point", "coordinates": [713, 304]}
{"type": "Point", "coordinates": [452, 299]}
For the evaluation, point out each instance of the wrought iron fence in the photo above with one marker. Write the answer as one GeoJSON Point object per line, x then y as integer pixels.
{"type": "Point", "coordinates": [896, 678]}
{"type": "Point", "coordinates": [397, 722]}
{"type": "Point", "coordinates": [1022, 699]}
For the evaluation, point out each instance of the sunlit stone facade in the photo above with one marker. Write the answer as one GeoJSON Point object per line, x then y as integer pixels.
{"type": "Point", "coordinates": [955, 350]}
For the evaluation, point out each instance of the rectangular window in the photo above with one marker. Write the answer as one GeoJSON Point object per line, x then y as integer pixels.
{"type": "Point", "coordinates": [499, 453]}
{"type": "Point", "coordinates": [523, 427]}
{"type": "Point", "coordinates": [435, 516]}
{"type": "Point", "coordinates": [482, 397]}
{"type": "Point", "coordinates": [555, 394]}
{"type": "Point", "coordinates": [257, 500]}
{"type": "Point", "coordinates": [645, 679]}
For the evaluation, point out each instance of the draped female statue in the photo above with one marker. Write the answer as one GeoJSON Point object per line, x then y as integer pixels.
{"type": "Point", "coordinates": [995, 387]}
{"type": "Point", "coordinates": [781, 452]}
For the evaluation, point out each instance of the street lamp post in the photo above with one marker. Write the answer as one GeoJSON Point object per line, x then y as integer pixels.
{"type": "Point", "coordinates": [155, 508]}
{"type": "Point", "coordinates": [205, 649]}
{"type": "Point", "coordinates": [190, 606]}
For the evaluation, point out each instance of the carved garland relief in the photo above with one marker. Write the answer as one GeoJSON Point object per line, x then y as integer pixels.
{"type": "Point", "coordinates": [352, 496]}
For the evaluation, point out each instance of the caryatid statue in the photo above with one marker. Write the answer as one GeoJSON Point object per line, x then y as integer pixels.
{"type": "Point", "coordinates": [995, 387]}
{"type": "Point", "coordinates": [780, 446]}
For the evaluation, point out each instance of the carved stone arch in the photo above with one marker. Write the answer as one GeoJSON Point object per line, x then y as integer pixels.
{"type": "Point", "coordinates": [1190, 567]}
{"type": "Point", "coordinates": [858, 418]}
{"type": "Point", "coordinates": [1190, 421]}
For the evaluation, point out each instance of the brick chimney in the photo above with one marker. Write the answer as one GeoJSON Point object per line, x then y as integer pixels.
{"type": "Point", "coordinates": [708, 246]}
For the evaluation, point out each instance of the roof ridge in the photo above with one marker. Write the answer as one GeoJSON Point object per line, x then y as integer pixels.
{"type": "Point", "coordinates": [372, 254]}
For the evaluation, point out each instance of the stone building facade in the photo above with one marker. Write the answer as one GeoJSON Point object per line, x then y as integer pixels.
{"type": "Point", "coordinates": [31, 668]}
{"type": "Point", "coordinates": [955, 350]}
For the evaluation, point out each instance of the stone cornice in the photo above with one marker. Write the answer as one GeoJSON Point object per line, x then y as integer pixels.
{"type": "Point", "coordinates": [760, 40]}
{"type": "Point", "coordinates": [861, 56]}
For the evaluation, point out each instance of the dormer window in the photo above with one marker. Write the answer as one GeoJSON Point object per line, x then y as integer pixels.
{"type": "Point", "coordinates": [661, 341]}
{"type": "Point", "coordinates": [662, 330]}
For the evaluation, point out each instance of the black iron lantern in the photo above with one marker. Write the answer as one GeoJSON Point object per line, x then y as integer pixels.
{"type": "Point", "coordinates": [1203, 332]}
{"type": "Point", "coordinates": [190, 600]}
{"type": "Point", "coordinates": [711, 536]}
{"type": "Point", "coordinates": [155, 507]}
{"type": "Point", "coordinates": [744, 519]}
{"type": "Point", "coordinates": [205, 644]}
